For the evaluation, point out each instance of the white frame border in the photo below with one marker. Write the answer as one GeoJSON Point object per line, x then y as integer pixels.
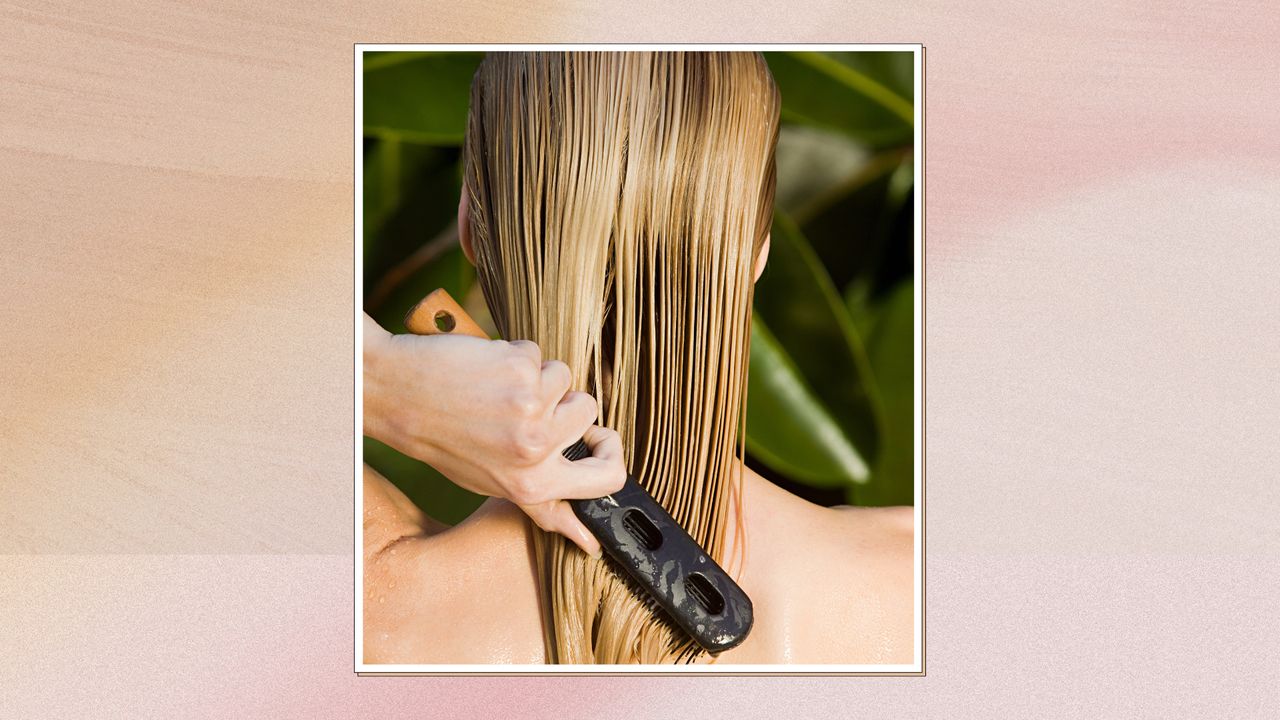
{"type": "Point", "coordinates": [915, 668]}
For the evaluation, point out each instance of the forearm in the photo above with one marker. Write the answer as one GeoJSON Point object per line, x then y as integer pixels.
{"type": "Point", "coordinates": [381, 363]}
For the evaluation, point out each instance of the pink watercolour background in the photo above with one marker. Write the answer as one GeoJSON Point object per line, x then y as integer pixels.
{"type": "Point", "coordinates": [1103, 198]}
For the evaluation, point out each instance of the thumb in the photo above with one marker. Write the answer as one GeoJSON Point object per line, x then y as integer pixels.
{"type": "Point", "coordinates": [557, 517]}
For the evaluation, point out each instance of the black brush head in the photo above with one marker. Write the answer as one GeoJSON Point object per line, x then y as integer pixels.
{"type": "Point", "coordinates": [663, 560]}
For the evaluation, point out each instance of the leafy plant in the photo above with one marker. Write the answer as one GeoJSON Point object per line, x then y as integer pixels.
{"type": "Point", "coordinates": [831, 395]}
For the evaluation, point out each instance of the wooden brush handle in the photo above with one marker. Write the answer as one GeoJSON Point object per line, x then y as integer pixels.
{"type": "Point", "coordinates": [439, 314]}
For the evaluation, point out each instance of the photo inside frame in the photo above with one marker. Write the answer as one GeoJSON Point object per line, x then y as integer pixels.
{"type": "Point", "coordinates": [805, 487]}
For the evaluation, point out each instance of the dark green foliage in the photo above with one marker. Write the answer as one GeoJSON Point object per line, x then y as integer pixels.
{"type": "Point", "coordinates": [831, 394]}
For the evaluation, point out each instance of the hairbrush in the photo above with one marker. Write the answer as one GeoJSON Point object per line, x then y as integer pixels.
{"type": "Point", "coordinates": [664, 562]}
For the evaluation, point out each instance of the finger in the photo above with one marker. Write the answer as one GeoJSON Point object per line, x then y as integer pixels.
{"type": "Point", "coordinates": [572, 416]}
{"type": "Point", "coordinates": [557, 517]}
{"type": "Point", "coordinates": [529, 349]}
{"type": "Point", "coordinates": [605, 444]}
{"type": "Point", "coordinates": [601, 474]}
{"type": "Point", "coordinates": [555, 382]}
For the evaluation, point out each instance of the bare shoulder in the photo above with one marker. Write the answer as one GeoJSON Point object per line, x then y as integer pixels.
{"type": "Point", "coordinates": [889, 528]}
{"type": "Point", "coordinates": [877, 546]}
{"type": "Point", "coordinates": [860, 563]}
{"type": "Point", "coordinates": [464, 594]}
{"type": "Point", "coordinates": [389, 515]}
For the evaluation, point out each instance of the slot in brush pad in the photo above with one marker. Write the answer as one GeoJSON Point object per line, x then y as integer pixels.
{"type": "Point", "coordinates": [679, 576]}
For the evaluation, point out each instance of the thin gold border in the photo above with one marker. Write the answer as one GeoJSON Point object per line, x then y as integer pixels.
{"type": "Point", "coordinates": [921, 183]}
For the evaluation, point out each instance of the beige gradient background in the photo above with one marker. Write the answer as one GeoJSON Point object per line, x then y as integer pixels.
{"type": "Point", "coordinates": [1103, 401]}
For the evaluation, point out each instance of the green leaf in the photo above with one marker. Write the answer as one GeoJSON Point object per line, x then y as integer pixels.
{"type": "Point", "coordinates": [796, 299]}
{"type": "Point", "coordinates": [449, 270]}
{"type": "Point", "coordinates": [870, 180]}
{"type": "Point", "coordinates": [418, 97]}
{"type": "Point", "coordinates": [880, 244]}
{"type": "Point", "coordinates": [426, 487]}
{"type": "Point", "coordinates": [788, 428]}
{"type": "Point", "coordinates": [849, 75]}
{"type": "Point", "coordinates": [845, 226]}
{"type": "Point", "coordinates": [813, 163]}
{"type": "Point", "coordinates": [411, 199]}
{"type": "Point", "coordinates": [893, 261]}
{"type": "Point", "coordinates": [891, 349]}
{"type": "Point", "coordinates": [822, 89]}
{"type": "Point", "coordinates": [857, 297]}
{"type": "Point", "coordinates": [397, 176]}
{"type": "Point", "coordinates": [894, 70]}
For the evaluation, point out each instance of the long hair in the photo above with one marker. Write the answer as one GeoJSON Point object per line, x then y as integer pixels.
{"type": "Point", "coordinates": [618, 203]}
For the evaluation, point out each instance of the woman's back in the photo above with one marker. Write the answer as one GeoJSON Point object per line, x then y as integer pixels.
{"type": "Point", "coordinates": [829, 586]}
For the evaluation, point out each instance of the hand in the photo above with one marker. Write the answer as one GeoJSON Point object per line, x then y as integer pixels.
{"type": "Point", "coordinates": [493, 418]}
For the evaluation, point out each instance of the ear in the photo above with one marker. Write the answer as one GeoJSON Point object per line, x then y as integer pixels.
{"type": "Point", "coordinates": [763, 257]}
{"type": "Point", "coordinates": [464, 227]}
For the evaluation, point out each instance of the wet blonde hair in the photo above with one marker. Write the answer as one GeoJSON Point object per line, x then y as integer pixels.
{"type": "Point", "coordinates": [618, 201]}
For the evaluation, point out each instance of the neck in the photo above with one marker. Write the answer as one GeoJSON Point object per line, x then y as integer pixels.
{"type": "Point", "coordinates": [741, 516]}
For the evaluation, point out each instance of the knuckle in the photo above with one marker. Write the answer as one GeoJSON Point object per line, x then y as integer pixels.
{"type": "Point", "coordinates": [559, 371]}
{"type": "Point", "coordinates": [524, 490]}
{"type": "Point", "coordinates": [544, 523]}
{"type": "Point", "coordinates": [582, 405]}
{"type": "Point", "coordinates": [524, 403]}
{"type": "Point", "coordinates": [528, 350]}
{"type": "Point", "coordinates": [520, 369]}
{"type": "Point", "coordinates": [531, 442]}
{"type": "Point", "coordinates": [615, 474]}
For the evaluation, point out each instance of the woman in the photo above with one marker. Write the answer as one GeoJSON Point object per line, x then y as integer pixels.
{"type": "Point", "coordinates": [617, 209]}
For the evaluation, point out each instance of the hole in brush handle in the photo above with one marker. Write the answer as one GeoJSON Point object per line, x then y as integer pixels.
{"type": "Point", "coordinates": [439, 313]}
{"type": "Point", "coordinates": [445, 322]}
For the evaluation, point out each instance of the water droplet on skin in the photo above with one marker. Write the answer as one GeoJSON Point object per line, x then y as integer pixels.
{"type": "Point", "coordinates": [382, 598]}
{"type": "Point", "coordinates": [393, 584]}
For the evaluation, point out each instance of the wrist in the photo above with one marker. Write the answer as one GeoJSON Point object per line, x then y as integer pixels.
{"type": "Point", "coordinates": [378, 370]}
{"type": "Point", "coordinates": [395, 404]}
